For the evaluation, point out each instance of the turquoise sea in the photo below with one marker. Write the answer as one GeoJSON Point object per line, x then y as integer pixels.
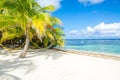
{"type": "Point", "coordinates": [106, 46]}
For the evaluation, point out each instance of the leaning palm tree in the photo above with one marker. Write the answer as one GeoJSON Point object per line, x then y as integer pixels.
{"type": "Point", "coordinates": [27, 15]}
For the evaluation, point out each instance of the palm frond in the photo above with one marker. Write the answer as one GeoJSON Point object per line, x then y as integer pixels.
{"type": "Point", "coordinates": [6, 21]}
{"type": "Point", "coordinates": [55, 21]}
{"type": "Point", "coordinates": [39, 27]}
{"type": "Point", "coordinates": [48, 8]}
{"type": "Point", "coordinates": [11, 33]}
{"type": "Point", "coordinates": [50, 35]}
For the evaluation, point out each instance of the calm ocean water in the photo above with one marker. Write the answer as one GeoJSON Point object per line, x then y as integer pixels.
{"type": "Point", "coordinates": [107, 46]}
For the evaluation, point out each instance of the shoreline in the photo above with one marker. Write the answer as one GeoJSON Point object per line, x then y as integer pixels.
{"type": "Point", "coordinates": [92, 54]}
{"type": "Point", "coordinates": [80, 52]}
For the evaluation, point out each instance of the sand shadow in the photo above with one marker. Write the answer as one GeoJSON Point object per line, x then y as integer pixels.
{"type": "Point", "coordinates": [15, 63]}
{"type": "Point", "coordinates": [7, 66]}
{"type": "Point", "coordinates": [48, 53]}
{"type": "Point", "coordinates": [54, 54]}
{"type": "Point", "coordinates": [4, 76]}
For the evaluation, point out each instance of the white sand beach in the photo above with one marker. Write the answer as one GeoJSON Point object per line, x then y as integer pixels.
{"type": "Point", "coordinates": [57, 65]}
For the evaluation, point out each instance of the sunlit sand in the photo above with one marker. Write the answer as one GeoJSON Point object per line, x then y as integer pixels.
{"type": "Point", "coordinates": [57, 65]}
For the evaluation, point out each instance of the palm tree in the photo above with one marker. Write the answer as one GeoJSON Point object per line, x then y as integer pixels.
{"type": "Point", "coordinates": [55, 33]}
{"type": "Point", "coordinates": [27, 15]}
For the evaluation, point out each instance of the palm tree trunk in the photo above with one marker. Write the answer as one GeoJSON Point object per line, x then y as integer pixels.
{"type": "Point", "coordinates": [23, 54]}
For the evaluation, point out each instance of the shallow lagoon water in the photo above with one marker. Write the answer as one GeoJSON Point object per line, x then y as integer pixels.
{"type": "Point", "coordinates": [108, 46]}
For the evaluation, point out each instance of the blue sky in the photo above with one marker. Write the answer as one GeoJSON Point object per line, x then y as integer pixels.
{"type": "Point", "coordinates": [88, 18]}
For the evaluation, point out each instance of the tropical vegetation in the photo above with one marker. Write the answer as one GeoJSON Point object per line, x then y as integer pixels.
{"type": "Point", "coordinates": [26, 23]}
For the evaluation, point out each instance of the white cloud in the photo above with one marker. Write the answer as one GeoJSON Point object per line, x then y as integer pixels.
{"type": "Point", "coordinates": [87, 2]}
{"type": "Point", "coordinates": [74, 32]}
{"type": "Point", "coordinates": [105, 30]}
{"type": "Point", "coordinates": [101, 30]}
{"type": "Point", "coordinates": [55, 3]}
